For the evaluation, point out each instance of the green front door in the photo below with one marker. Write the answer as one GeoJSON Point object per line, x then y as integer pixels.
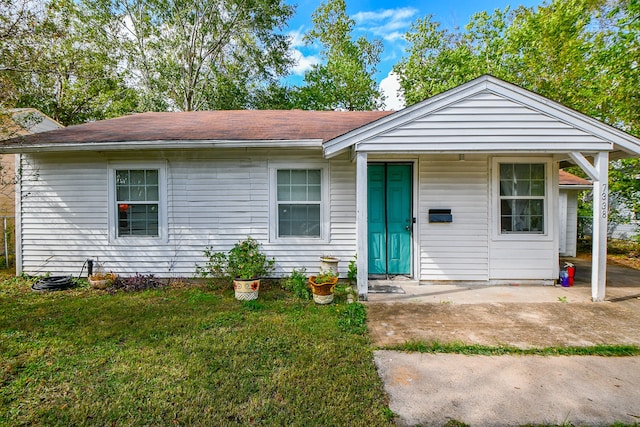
{"type": "Point", "coordinates": [390, 220]}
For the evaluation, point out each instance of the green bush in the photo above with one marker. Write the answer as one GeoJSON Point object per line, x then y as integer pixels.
{"type": "Point", "coordinates": [297, 284]}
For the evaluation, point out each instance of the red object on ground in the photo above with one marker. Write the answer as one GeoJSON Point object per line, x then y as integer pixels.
{"type": "Point", "coordinates": [571, 272]}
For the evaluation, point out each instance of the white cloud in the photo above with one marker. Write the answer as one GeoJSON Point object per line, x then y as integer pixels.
{"type": "Point", "coordinates": [296, 37]}
{"type": "Point", "coordinates": [390, 88]}
{"type": "Point", "coordinates": [302, 63]}
{"type": "Point", "coordinates": [390, 24]}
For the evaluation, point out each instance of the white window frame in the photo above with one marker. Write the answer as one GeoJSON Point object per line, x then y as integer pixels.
{"type": "Point", "coordinates": [324, 202]}
{"type": "Point", "coordinates": [161, 167]}
{"type": "Point", "coordinates": [549, 221]}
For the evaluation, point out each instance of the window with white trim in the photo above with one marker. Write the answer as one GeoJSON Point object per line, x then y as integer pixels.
{"type": "Point", "coordinates": [522, 198]}
{"type": "Point", "coordinates": [137, 202]}
{"type": "Point", "coordinates": [299, 202]}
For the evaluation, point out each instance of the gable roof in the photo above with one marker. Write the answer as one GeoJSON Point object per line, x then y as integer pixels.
{"type": "Point", "coordinates": [25, 121]}
{"type": "Point", "coordinates": [486, 115]}
{"type": "Point", "coordinates": [198, 128]}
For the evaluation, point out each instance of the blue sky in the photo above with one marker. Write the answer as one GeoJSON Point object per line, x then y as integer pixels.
{"type": "Point", "coordinates": [388, 21]}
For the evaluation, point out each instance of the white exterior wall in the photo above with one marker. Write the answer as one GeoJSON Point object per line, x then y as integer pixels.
{"type": "Point", "coordinates": [519, 258]}
{"type": "Point", "coordinates": [568, 222]}
{"type": "Point", "coordinates": [471, 248]}
{"type": "Point", "coordinates": [213, 198]}
{"type": "Point", "coordinates": [457, 250]}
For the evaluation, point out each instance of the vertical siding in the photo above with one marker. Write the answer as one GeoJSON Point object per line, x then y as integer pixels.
{"type": "Point", "coordinates": [214, 198]}
{"type": "Point", "coordinates": [457, 250]}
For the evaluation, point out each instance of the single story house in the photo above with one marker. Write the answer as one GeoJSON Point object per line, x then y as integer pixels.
{"type": "Point", "coordinates": [460, 187]}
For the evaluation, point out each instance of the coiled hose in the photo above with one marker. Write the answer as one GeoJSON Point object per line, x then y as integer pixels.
{"type": "Point", "coordinates": [53, 283]}
{"type": "Point", "coordinates": [60, 283]}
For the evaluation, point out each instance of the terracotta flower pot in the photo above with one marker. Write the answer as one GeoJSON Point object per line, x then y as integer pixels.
{"type": "Point", "coordinates": [246, 289]}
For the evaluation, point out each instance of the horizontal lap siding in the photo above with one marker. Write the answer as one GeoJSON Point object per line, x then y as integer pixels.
{"type": "Point", "coordinates": [214, 198]}
{"type": "Point", "coordinates": [523, 260]}
{"type": "Point", "coordinates": [457, 250]}
{"type": "Point", "coordinates": [64, 213]}
{"type": "Point", "coordinates": [484, 122]}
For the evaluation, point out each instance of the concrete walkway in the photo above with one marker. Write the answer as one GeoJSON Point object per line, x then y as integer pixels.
{"type": "Point", "coordinates": [431, 389]}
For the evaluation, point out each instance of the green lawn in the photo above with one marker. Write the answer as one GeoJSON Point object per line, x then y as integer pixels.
{"type": "Point", "coordinates": [188, 355]}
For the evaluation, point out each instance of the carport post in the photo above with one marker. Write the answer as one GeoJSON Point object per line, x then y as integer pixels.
{"type": "Point", "coordinates": [361, 226]}
{"type": "Point", "coordinates": [600, 217]}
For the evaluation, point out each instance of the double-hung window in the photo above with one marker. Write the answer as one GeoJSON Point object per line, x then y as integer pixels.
{"type": "Point", "coordinates": [299, 202]}
{"type": "Point", "coordinates": [522, 198]}
{"type": "Point", "coordinates": [137, 202]}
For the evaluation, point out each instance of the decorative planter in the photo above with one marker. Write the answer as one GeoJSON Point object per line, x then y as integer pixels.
{"type": "Point", "coordinates": [101, 280]}
{"type": "Point", "coordinates": [246, 289]}
{"type": "Point", "coordinates": [329, 263]}
{"type": "Point", "coordinates": [322, 292]}
{"type": "Point", "coordinates": [98, 284]}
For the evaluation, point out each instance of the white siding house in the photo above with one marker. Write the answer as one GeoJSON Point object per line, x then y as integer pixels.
{"type": "Point", "coordinates": [460, 187]}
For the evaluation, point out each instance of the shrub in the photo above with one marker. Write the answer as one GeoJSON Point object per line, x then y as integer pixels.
{"type": "Point", "coordinates": [244, 261]}
{"type": "Point", "coordinates": [297, 284]}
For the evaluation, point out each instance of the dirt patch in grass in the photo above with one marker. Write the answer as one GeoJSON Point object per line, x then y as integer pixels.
{"type": "Point", "coordinates": [519, 325]}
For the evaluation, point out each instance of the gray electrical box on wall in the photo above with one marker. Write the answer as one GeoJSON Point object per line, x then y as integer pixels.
{"type": "Point", "coordinates": [440, 215]}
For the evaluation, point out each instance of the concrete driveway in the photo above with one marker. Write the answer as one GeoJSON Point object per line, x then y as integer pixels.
{"type": "Point", "coordinates": [431, 389]}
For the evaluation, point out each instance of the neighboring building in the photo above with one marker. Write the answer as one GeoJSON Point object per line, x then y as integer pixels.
{"type": "Point", "coordinates": [570, 187]}
{"type": "Point", "coordinates": [22, 121]}
{"type": "Point", "coordinates": [461, 187]}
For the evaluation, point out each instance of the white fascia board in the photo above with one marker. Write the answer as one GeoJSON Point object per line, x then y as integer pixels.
{"type": "Point", "coordinates": [160, 144]}
{"type": "Point", "coordinates": [577, 187]}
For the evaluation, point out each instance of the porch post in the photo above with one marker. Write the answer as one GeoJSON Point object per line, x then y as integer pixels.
{"type": "Point", "coordinates": [600, 216]}
{"type": "Point", "coordinates": [361, 226]}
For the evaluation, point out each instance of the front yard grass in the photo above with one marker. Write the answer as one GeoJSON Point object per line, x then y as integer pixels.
{"type": "Point", "coordinates": [190, 355]}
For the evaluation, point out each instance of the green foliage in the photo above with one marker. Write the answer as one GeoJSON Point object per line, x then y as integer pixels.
{"type": "Point", "coordinates": [353, 318]}
{"type": "Point", "coordinates": [297, 284]}
{"type": "Point", "coordinates": [580, 53]}
{"type": "Point", "coordinates": [199, 54]}
{"type": "Point", "coordinates": [460, 348]}
{"type": "Point", "coordinates": [244, 261]}
{"type": "Point", "coordinates": [180, 358]}
{"type": "Point", "coordinates": [352, 272]}
{"type": "Point", "coordinates": [326, 276]}
{"type": "Point", "coordinates": [345, 81]}
{"type": "Point", "coordinates": [55, 58]}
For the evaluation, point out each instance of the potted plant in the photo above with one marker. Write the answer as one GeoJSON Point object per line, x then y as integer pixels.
{"type": "Point", "coordinates": [101, 280]}
{"type": "Point", "coordinates": [329, 262]}
{"type": "Point", "coordinates": [322, 286]}
{"type": "Point", "coordinates": [245, 264]}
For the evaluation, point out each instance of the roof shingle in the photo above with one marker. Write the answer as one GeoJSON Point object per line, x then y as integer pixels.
{"type": "Point", "coordinates": [220, 125]}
